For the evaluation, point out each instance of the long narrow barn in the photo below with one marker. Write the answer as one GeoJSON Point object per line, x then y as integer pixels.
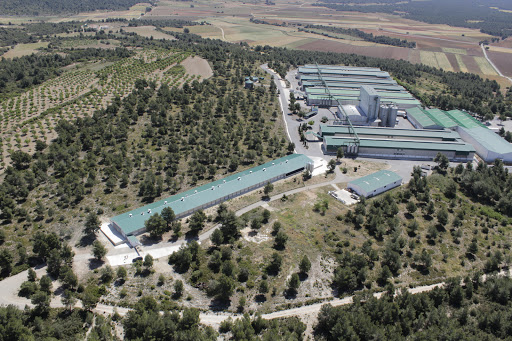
{"type": "Point", "coordinates": [184, 204]}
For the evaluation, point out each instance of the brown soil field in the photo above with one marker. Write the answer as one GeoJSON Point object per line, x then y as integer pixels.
{"type": "Point", "coordinates": [503, 61]}
{"type": "Point", "coordinates": [471, 64]}
{"type": "Point", "coordinates": [453, 61]}
{"type": "Point", "coordinates": [371, 51]}
{"type": "Point", "coordinates": [198, 66]}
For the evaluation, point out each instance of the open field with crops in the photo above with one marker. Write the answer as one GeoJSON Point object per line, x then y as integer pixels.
{"type": "Point", "coordinates": [24, 50]}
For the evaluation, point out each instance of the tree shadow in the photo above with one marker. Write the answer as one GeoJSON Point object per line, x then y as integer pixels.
{"type": "Point", "coordinates": [408, 216]}
{"type": "Point", "coordinates": [219, 304]}
{"type": "Point", "coordinates": [87, 240]}
{"type": "Point", "coordinates": [290, 294]}
{"type": "Point", "coordinates": [95, 264]}
{"type": "Point", "coordinates": [190, 236]}
{"type": "Point", "coordinates": [149, 241]}
{"type": "Point", "coordinates": [173, 239]}
{"type": "Point", "coordinates": [260, 298]}
{"type": "Point", "coordinates": [252, 233]}
{"type": "Point", "coordinates": [303, 276]}
{"type": "Point", "coordinates": [428, 217]}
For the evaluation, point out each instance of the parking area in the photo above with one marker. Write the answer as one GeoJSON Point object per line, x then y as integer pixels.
{"type": "Point", "coordinates": [345, 197]}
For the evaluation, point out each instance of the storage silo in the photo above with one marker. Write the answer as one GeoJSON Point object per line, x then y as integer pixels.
{"type": "Point", "coordinates": [392, 114]}
{"type": "Point", "coordinates": [383, 114]}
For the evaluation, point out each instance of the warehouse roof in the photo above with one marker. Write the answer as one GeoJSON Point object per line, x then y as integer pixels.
{"type": "Point", "coordinates": [134, 220]}
{"type": "Point", "coordinates": [408, 101]}
{"type": "Point", "coordinates": [351, 85]}
{"type": "Point", "coordinates": [421, 117]}
{"type": "Point", "coordinates": [356, 92]}
{"type": "Point", "coordinates": [446, 135]}
{"type": "Point", "coordinates": [313, 77]}
{"type": "Point", "coordinates": [441, 118]}
{"type": "Point", "coordinates": [490, 140]}
{"type": "Point", "coordinates": [458, 147]}
{"type": "Point", "coordinates": [331, 71]}
{"type": "Point", "coordinates": [464, 119]}
{"type": "Point", "coordinates": [376, 180]}
{"type": "Point", "coordinates": [344, 67]}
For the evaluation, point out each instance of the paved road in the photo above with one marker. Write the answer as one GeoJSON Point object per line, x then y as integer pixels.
{"type": "Point", "coordinates": [490, 62]}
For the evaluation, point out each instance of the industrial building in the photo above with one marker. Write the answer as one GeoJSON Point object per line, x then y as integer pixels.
{"type": "Point", "coordinates": [387, 143]}
{"type": "Point", "coordinates": [376, 183]}
{"type": "Point", "coordinates": [329, 86]}
{"type": "Point", "coordinates": [131, 223]}
{"type": "Point", "coordinates": [487, 144]}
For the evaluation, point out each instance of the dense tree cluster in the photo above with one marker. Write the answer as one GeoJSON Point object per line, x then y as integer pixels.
{"type": "Point", "coordinates": [474, 310]}
{"type": "Point", "coordinates": [59, 324]}
{"type": "Point", "coordinates": [145, 322]}
{"type": "Point", "coordinates": [354, 32]}
{"type": "Point", "coordinates": [19, 74]}
{"type": "Point", "coordinates": [479, 14]}
{"type": "Point", "coordinates": [35, 8]}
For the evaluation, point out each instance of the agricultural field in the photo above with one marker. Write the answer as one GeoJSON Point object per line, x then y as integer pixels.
{"type": "Point", "coordinates": [437, 45]}
{"type": "Point", "coordinates": [24, 50]}
{"type": "Point", "coordinates": [84, 89]}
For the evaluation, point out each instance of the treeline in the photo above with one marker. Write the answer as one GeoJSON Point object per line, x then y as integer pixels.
{"type": "Point", "coordinates": [33, 7]}
{"type": "Point", "coordinates": [472, 310]}
{"type": "Point", "coordinates": [354, 32]}
{"type": "Point", "coordinates": [19, 74]}
{"type": "Point", "coordinates": [12, 36]}
{"type": "Point", "coordinates": [473, 14]}
{"type": "Point", "coordinates": [179, 23]}
{"type": "Point", "coordinates": [489, 185]}
{"type": "Point", "coordinates": [463, 91]}
{"type": "Point", "coordinates": [54, 324]}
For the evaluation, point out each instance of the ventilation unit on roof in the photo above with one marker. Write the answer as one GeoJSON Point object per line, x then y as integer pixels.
{"type": "Point", "coordinates": [149, 211]}
{"type": "Point", "coordinates": [273, 164]}
{"type": "Point", "coordinates": [130, 215]}
{"type": "Point", "coordinates": [264, 169]}
{"type": "Point", "coordinates": [213, 187]}
{"type": "Point", "coordinates": [182, 198]}
{"type": "Point", "coordinates": [239, 178]}
{"type": "Point", "coordinates": [195, 191]}
{"type": "Point", "coordinates": [224, 181]}
{"type": "Point", "coordinates": [141, 213]}
{"type": "Point", "coordinates": [286, 161]}
{"type": "Point", "coordinates": [250, 172]}
{"type": "Point", "coordinates": [165, 202]}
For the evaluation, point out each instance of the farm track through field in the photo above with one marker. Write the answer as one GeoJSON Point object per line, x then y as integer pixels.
{"type": "Point", "coordinates": [492, 64]}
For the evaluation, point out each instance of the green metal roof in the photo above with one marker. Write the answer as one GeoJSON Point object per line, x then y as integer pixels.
{"type": "Point", "coordinates": [328, 79]}
{"type": "Point", "coordinates": [490, 140]}
{"type": "Point", "coordinates": [407, 101]}
{"type": "Point", "coordinates": [458, 147]}
{"type": "Point", "coordinates": [376, 180]}
{"type": "Point", "coordinates": [421, 117]}
{"type": "Point", "coordinates": [356, 92]}
{"type": "Point", "coordinates": [464, 119]}
{"type": "Point", "coordinates": [440, 117]}
{"type": "Point", "coordinates": [212, 191]}
{"type": "Point", "coordinates": [345, 67]}
{"type": "Point", "coordinates": [446, 135]}
{"type": "Point", "coordinates": [350, 85]}
{"type": "Point", "coordinates": [332, 71]}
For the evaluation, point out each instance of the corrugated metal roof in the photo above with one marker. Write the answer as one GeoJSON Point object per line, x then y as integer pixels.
{"type": "Point", "coordinates": [490, 140]}
{"type": "Point", "coordinates": [350, 85]}
{"type": "Point", "coordinates": [441, 118]}
{"type": "Point", "coordinates": [421, 117]}
{"type": "Point", "coordinates": [332, 71]}
{"type": "Point", "coordinates": [212, 191]}
{"type": "Point", "coordinates": [376, 180]}
{"type": "Point", "coordinates": [313, 77]}
{"type": "Point", "coordinates": [345, 67]}
{"type": "Point", "coordinates": [460, 147]}
{"type": "Point", "coordinates": [464, 119]}
{"type": "Point", "coordinates": [395, 132]}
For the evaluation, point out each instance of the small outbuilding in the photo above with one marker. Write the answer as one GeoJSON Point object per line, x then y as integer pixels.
{"type": "Point", "coordinates": [376, 183]}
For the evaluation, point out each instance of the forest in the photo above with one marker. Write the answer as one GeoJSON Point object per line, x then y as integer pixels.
{"type": "Point", "coordinates": [472, 14]}
{"type": "Point", "coordinates": [354, 32]}
{"type": "Point", "coordinates": [463, 310]}
{"type": "Point", "coordinates": [36, 8]}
